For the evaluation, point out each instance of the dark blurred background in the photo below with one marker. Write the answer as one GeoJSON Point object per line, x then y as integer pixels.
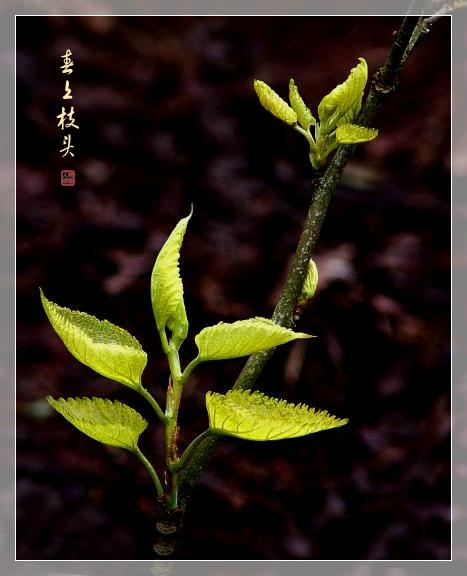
{"type": "Point", "coordinates": [168, 117]}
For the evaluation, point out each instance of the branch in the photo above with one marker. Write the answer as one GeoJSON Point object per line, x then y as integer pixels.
{"type": "Point", "coordinates": [424, 25]}
{"type": "Point", "coordinates": [383, 83]}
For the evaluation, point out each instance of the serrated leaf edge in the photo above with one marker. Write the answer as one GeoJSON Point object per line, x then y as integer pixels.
{"type": "Point", "coordinates": [63, 402]}
{"type": "Point", "coordinates": [304, 116]}
{"type": "Point", "coordinates": [366, 134]}
{"type": "Point", "coordinates": [175, 308]}
{"type": "Point", "coordinates": [201, 336]}
{"type": "Point", "coordinates": [274, 104]}
{"type": "Point", "coordinates": [246, 399]}
{"type": "Point", "coordinates": [343, 103]}
{"type": "Point", "coordinates": [50, 306]}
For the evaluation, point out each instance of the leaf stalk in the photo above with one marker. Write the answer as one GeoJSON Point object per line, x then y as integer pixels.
{"type": "Point", "coordinates": [150, 469]}
{"type": "Point", "coordinates": [153, 402]}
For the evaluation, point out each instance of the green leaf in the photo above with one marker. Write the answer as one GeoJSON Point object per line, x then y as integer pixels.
{"type": "Point", "coordinates": [111, 423]}
{"type": "Point", "coordinates": [311, 281]}
{"type": "Point", "coordinates": [104, 347]}
{"type": "Point", "coordinates": [304, 116]}
{"type": "Point", "coordinates": [352, 134]}
{"type": "Point", "coordinates": [242, 338]}
{"type": "Point", "coordinates": [167, 287]}
{"type": "Point", "coordinates": [274, 103]}
{"type": "Point", "coordinates": [254, 416]}
{"type": "Point", "coordinates": [343, 104]}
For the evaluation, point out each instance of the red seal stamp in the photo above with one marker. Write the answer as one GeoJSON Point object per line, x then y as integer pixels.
{"type": "Point", "coordinates": [67, 177]}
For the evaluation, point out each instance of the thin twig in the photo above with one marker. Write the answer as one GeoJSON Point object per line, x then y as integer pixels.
{"type": "Point", "coordinates": [152, 472]}
{"type": "Point", "coordinates": [153, 402]}
{"type": "Point", "coordinates": [425, 23]}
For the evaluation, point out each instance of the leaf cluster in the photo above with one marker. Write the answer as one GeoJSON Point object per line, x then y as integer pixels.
{"type": "Point", "coordinates": [114, 353]}
{"type": "Point", "coordinates": [337, 112]}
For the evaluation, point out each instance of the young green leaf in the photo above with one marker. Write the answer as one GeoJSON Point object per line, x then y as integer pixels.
{"type": "Point", "coordinates": [254, 416]}
{"type": "Point", "coordinates": [343, 104]}
{"type": "Point", "coordinates": [242, 338]}
{"type": "Point", "coordinates": [311, 281]}
{"type": "Point", "coordinates": [111, 423]}
{"type": "Point", "coordinates": [352, 134]}
{"type": "Point", "coordinates": [304, 116]}
{"type": "Point", "coordinates": [167, 287]}
{"type": "Point", "coordinates": [274, 103]}
{"type": "Point", "coordinates": [104, 347]}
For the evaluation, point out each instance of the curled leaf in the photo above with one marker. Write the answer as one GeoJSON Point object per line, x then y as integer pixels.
{"type": "Point", "coordinates": [342, 105]}
{"type": "Point", "coordinates": [353, 134]}
{"type": "Point", "coordinates": [254, 416]}
{"type": "Point", "coordinates": [274, 104]}
{"type": "Point", "coordinates": [242, 338]}
{"type": "Point", "coordinates": [167, 287]}
{"type": "Point", "coordinates": [99, 344]}
{"type": "Point", "coordinates": [311, 281]}
{"type": "Point", "coordinates": [111, 423]}
{"type": "Point", "coordinates": [304, 116]}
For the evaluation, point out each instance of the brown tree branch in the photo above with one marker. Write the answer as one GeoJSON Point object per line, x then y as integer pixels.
{"type": "Point", "coordinates": [383, 83]}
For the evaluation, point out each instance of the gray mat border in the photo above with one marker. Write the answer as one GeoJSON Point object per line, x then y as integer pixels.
{"type": "Point", "coordinates": [8, 567]}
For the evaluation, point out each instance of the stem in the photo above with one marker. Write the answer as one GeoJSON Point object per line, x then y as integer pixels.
{"type": "Point", "coordinates": [424, 25]}
{"type": "Point", "coordinates": [164, 342]}
{"type": "Point", "coordinates": [324, 188]}
{"type": "Point", "coordinates": [189, 451]}
{"type": "Point", "coordinates": [314, 149]}
{"type": "Point", "coordinates": [169, 528]}
{"type": "Point", "coordinates": [172, 502]}
{"type": "Point", "coordinates": [305, 133]}
{"type": "Point", "coordinates": [174, 392]}
{"type": "Point", "coordinates": [188, 370]}
{"type": "Point", "coordinates": [152, 472]}
{"type": "Point", "coordinates": [150, 398]}
{"type": "Point", "coordinates": [175, 384]}
{"type": "Point", "coordinates": [384, 82]}
{"type": "Point", "coordinates": [174, 363]}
